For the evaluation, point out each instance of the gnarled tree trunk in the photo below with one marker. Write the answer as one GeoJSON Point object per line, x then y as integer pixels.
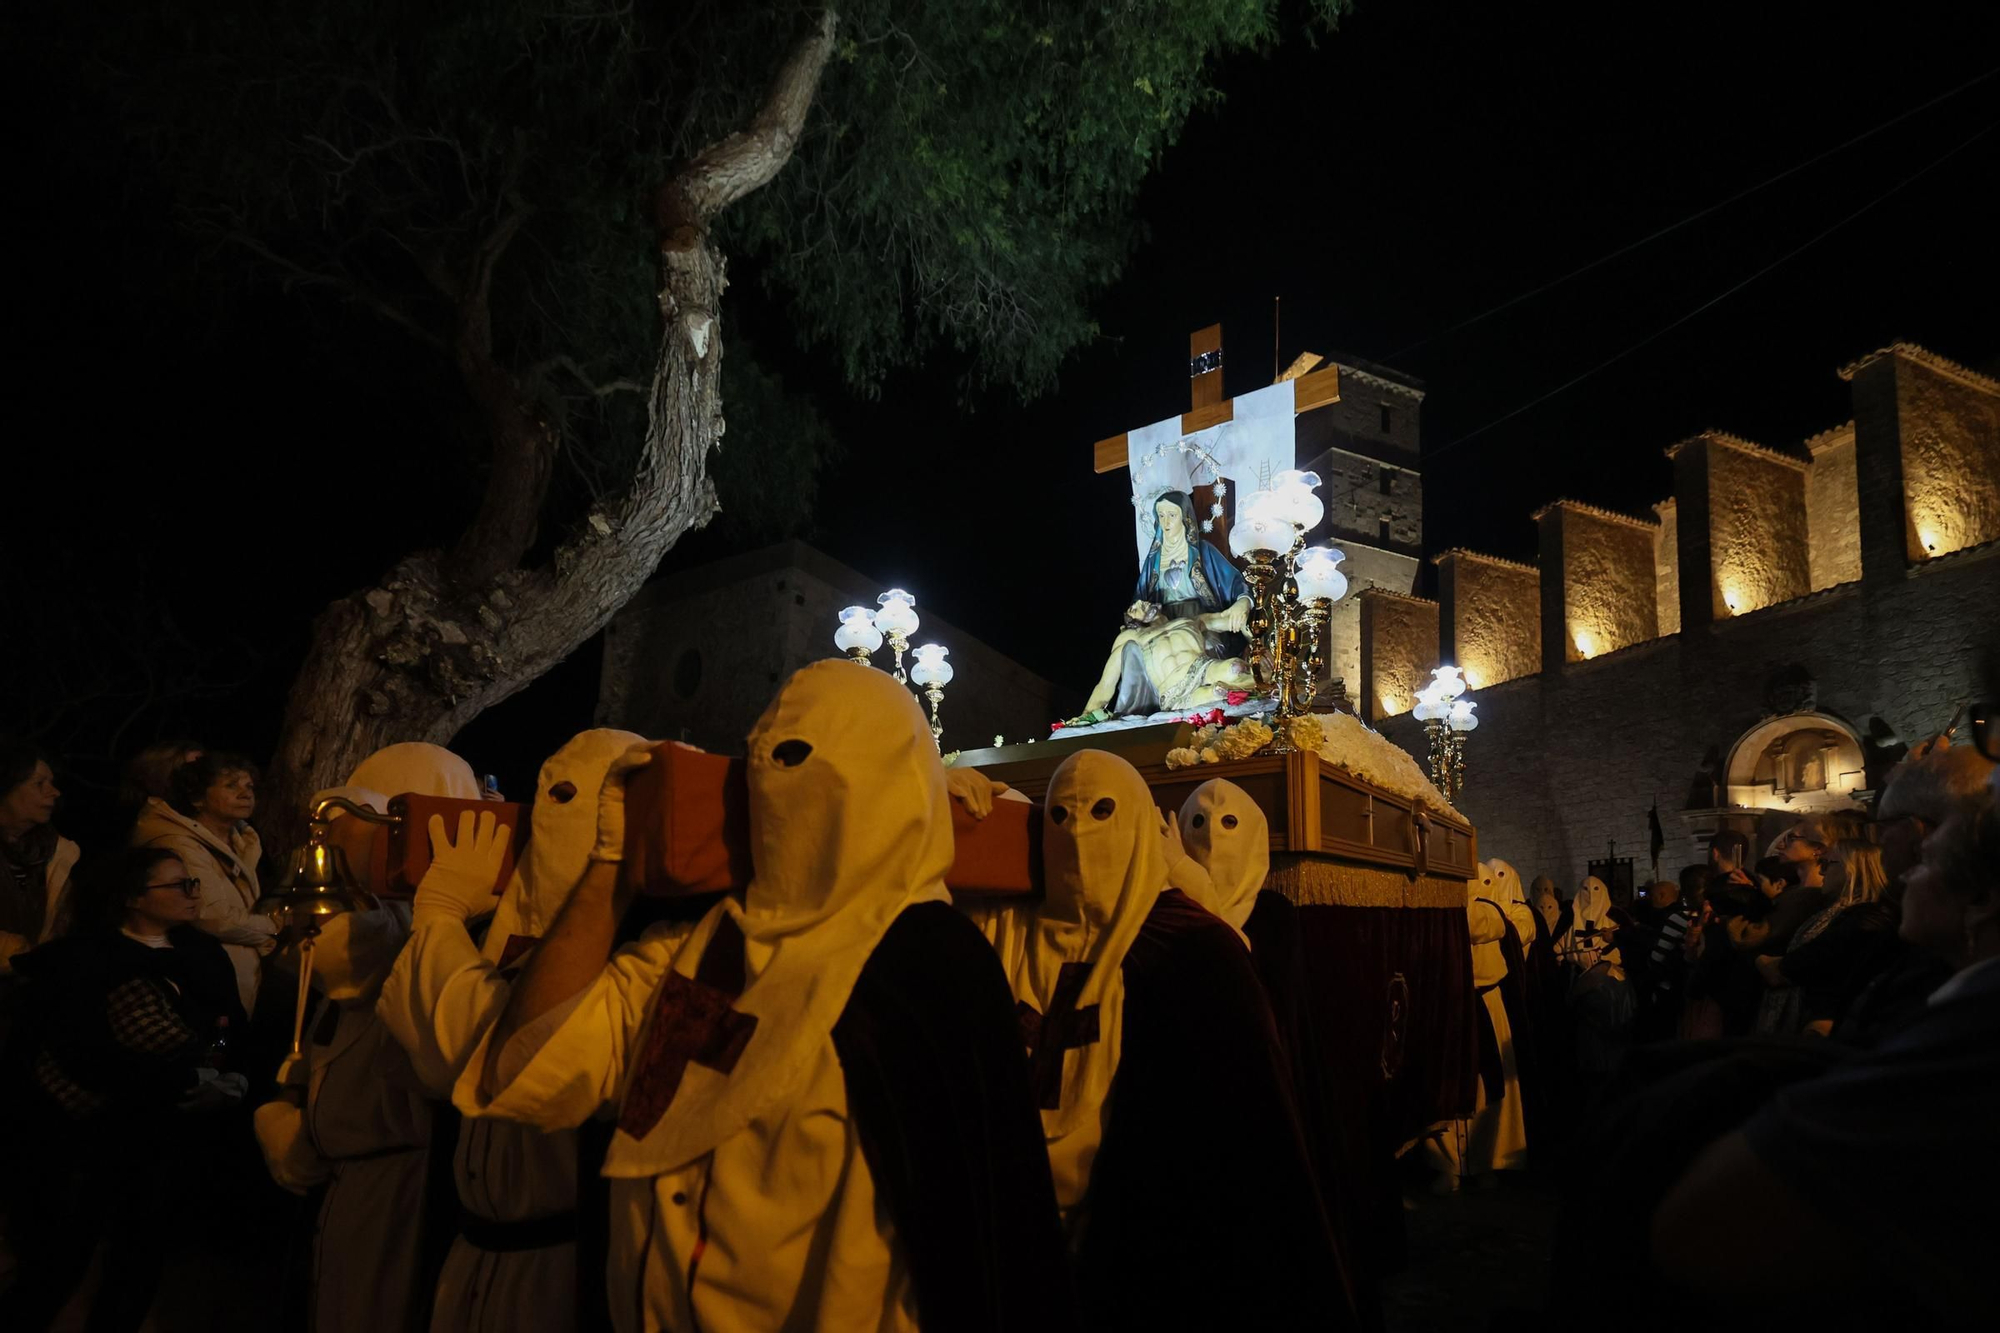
{"type": "Point", "coordinates": [445, 636]}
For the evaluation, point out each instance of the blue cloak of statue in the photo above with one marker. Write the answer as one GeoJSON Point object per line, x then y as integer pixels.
{"type": "Point", "coordinates": [1224, 582]}
{"type": "Point", "coordinates": [1210, 580]}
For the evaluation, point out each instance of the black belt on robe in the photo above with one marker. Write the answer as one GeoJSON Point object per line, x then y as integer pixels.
{"type": "Point", "coordinates": [534, 1233]}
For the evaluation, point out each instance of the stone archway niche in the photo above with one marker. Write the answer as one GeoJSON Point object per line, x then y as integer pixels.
{"type": "Point", "coordinates": [1803, 763]}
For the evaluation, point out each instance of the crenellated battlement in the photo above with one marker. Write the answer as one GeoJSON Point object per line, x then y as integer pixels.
{"type": "Point", "coordinates": [1914, 476]}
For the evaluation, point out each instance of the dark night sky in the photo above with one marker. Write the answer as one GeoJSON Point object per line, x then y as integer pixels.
{"type": "Point", "coordinates": [1424, 163]}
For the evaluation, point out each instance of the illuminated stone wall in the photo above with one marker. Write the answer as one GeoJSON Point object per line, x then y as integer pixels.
{"type": "Point", "coordinates": [1366, 567]}
{"type": "Point", "coordinates": [1490, 617]}
{"type": "Point", "coordinates": [1399, 646]}
{"type": "Point", "coordinates": [1833, 521]}
{"type": "Point", "coordinates": [1742, 521]}
{"type": "Point", "coordinates": [1936, 424]}
{"type": "Point", "coordinates": [1667, 568]}
{"type": "Point", "coordinates": [1598, 581]}
{"type": "Point", "coordinates": [1569, 760]}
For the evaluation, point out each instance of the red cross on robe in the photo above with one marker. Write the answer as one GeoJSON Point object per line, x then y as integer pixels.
{"type": "Point", "coordinates": [692, 1021]}
{"type": "Point", "coordinates": [1064, 1028]}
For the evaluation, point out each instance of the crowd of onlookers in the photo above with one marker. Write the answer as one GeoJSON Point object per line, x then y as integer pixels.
{"type": "Point", "coordinates": [1773, 1079]}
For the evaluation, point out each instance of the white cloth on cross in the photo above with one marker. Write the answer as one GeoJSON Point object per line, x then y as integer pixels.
{"type": "Point", "coordinates": [1257, 443]}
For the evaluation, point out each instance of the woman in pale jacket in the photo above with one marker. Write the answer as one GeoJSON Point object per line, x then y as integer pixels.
{"type": "Point", "coordinates": [205, 822]}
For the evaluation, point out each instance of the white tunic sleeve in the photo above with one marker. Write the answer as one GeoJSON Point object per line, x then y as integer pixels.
{"type": "Point", "coordinates": [567, 1066]}
{"type": "Point", "coordinates": [1487, 923]}
{"type": "Point", "coordinates": [441, 997]}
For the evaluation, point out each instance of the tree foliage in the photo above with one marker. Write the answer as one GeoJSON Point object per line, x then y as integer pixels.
{"type": "Point", "coordinates": [965, 179]}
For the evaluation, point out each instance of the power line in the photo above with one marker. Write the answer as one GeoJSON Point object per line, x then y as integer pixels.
{"type": "Point", "coordinates": [1691, 218]}
{"type": "Point", "coordinates": [1720, 297]}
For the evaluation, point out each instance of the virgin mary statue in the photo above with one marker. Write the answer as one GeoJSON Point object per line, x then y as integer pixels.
{"type": "Point", "coordinates": [1178, 647]}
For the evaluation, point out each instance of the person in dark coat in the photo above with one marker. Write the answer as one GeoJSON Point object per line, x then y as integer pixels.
{"type": "Point", "coordinates": [114, 1084]}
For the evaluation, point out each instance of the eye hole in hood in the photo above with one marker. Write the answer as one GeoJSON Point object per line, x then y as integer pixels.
{"type": "Point", "coordinates": [1229, 821]}
{"type": "Point", "coordinates": [563, 792]}
{"type": "Point", "coordinates": [791, 753]}
{"type": "Point", "coordinates": [1103, 808]}
{"type": "Point", "coordinates": [1058, 813]}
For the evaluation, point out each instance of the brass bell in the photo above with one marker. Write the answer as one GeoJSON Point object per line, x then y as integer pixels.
{"type": "Point", "coordinates": [319, 884]}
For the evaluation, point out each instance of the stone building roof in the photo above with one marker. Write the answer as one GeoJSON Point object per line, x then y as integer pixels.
{"type": "Point", "coordinates": [1828, 438]}
{"type": "Point", "coordinates": [1398, 596]}
{"type": "Point", "coordinates": [1382, 377]}
{"type": "Point", "coordinates": [1923, 356]}
{"type": "Point", "coordinates": [1484, 558]}
{"type": "Point", "coordinates": [1737, 442]}
{"type": "Point", "coordinates": [1649, 524]}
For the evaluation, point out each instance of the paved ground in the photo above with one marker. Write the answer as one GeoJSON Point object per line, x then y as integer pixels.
{"type": "Point", "coordinates": [1478, 1260]}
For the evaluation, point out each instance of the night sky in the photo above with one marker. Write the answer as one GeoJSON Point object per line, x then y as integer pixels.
{"type": "Point", "coordinates": [238, 462]}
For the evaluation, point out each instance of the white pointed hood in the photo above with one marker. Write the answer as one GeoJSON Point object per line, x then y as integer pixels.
{"type": "Point", "coordinates": [563, 828]}
{"type": "Point", "coordinates": [416, 766]}
{"type": "Point", "coordinates": [1104, 868]}
{"type": "Point", "coordinates": [1590, 916]}
{"type": "Point", "coordinates": [1227, 834]}
{"type": "Point", "coordinates": [1502, 883]}
{"type": "Point", "coordinates": [849, 825]}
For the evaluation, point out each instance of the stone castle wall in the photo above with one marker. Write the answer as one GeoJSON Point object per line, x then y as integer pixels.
{"type": "Point", "coordinates": [1493, 626]}
{"type": "Point", "coordinates": [1840, 605]}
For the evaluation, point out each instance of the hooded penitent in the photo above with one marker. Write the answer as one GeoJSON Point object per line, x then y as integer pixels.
{"type": "Point", "coordinates": [1226, 833]}
{"type": "Point", "coordinates": [1502, 883]}
{"type": "Point", "coordinates": [1104, 867]}
{"type": "Point", "coordinates": [1590, 924]}
{"type": "Point", "coordinates": [849, 825]}
{"type": "Point", "coordinates": [563, 821]}
{"type": "Point", "coordinates": [416, 766]}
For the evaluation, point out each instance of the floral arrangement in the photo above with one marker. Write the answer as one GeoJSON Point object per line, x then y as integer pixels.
{"type": "Point", "coordinates": [1339, 739]}
{"type": "Point", "coordinates": [1214, 743]}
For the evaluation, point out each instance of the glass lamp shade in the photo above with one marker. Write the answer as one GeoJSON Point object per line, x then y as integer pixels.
{"type": "Point", "coordinates": [1262, 533]}
{"type": "Point", "coordinates": [931, 668]}
{"type": "Point", "coordinates": [898, 614]}
{"type": "Point", "coordinates": [1447, 682]}
{"type": "Point", "coordinates": [1427, 709]}
{"type": "Point", "coordinates": [857, 630]}
{"type": "Point", "coordinates": [1318, 579]}
{"type": "Point", "coordinates": [1259, 504]}
{"type": "Point", "coordinates": [1296, 502]}
{"type": "Point", "coordinates": [1303, 508]}
{"type": "Point", "coordinates": [1460, 718]}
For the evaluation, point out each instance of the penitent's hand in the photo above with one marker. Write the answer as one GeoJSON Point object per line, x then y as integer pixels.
{"type": "Point", "coordinates": [464, 871]}
{"type": "Point", "coordinates": [610, 848]}
{"type": "Point", "coordinates": [973, 789]}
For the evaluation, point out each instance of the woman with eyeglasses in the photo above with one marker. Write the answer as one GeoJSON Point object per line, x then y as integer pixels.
{"type": "Point", "coordinates": [113, 1088]}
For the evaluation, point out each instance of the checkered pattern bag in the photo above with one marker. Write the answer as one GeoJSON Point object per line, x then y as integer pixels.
{"type": "Point", "coordinates": [143, 1020]}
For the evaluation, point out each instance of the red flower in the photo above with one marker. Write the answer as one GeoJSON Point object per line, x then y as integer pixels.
{"type": "Point", "coordinates": [1236, 697]}
{"type": "Point", "coordinates": [1055, 726]}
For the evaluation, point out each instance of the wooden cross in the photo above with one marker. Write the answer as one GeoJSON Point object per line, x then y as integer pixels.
{"type": "Point", "coordinates": [1064, 1028]}
{"type": "Point", "coordinates": [1206, 405]}
{"type": "Point", "coordinates": [692, 1021]}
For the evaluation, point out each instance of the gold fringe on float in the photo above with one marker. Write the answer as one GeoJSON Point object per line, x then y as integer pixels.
{"type": "Point", "coordinates": [1311, 881]}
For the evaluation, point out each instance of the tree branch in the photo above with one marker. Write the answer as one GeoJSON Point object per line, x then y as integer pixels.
{"type": "Point", "coordinates": [733, 166]}
{"type": "Point", "coordinates": [297, 274]}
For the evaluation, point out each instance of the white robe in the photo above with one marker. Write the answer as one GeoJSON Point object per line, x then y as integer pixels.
{"type": "Point", "coordinates": [1495, 1138]}
{"type": "Point", "coordinates": [365, 1131]}
{"type": "Point", "coordinates": [439, 1001]}
{"type": "Point", "coordinates": [712, 1217]}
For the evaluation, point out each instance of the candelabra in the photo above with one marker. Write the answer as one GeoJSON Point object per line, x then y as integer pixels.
{"type": "Point", "coordinates": [862, 631]}
{"type": "Point", "coordinates": [933, 673]}
{"type": "Point", "coordinates": [1447, 717]}
{"type": "Point", "coordinates": [1292, 590]}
